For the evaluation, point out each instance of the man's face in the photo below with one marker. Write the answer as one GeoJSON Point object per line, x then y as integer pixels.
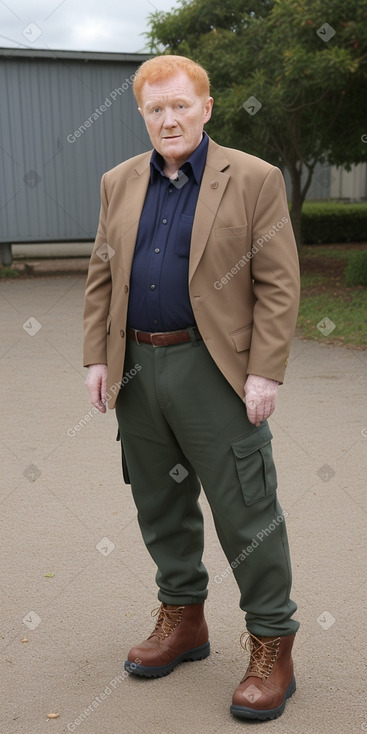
{"type": "Point", "coordinates": [174, 115]}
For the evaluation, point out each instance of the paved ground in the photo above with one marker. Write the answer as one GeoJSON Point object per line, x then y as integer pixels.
{"type": "Point", "coordinates": [79, 585]}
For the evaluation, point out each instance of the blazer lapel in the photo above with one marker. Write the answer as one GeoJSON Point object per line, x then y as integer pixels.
{"type": "Point", "coordinates": [133, 202]}
{"type": "Point", "coordinates": [213, 186]}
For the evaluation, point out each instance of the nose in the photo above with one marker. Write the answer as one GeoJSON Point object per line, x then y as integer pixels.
{"type": "Point", "coordinates": [169, 118]}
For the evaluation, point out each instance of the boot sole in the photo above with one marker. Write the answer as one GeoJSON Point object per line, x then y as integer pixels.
{"type": "Point", "coordinates": [242, 712]}
{"type": "Point", "coordinates": [149, 671]}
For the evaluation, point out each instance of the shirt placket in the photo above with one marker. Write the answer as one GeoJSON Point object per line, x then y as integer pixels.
{"type": "Point", "coordinates": [158, 249]}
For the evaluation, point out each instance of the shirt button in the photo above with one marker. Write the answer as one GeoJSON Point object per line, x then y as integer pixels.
{"type": "Point", "coordinates": [157, 250]}
{"type": "Point", "coordinates": [152, 287]}
{"type": "Point", "coordinates": [164, 221]}
{"type": "Point", "coordinates": [122, 333]}
{"type": "Point", "coordinates": [170, 190]}
{"type": "Point", "coordinates": [155, 321]}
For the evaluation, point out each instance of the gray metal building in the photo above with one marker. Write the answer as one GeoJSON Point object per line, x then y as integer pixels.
{"type": "Point", "coordinates": [66, 117]}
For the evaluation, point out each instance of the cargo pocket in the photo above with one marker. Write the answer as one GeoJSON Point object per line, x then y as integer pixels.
{"type": "Point", "coordinates": [125, 471]}
{"type": "Point", "coordinates": [255, 466]}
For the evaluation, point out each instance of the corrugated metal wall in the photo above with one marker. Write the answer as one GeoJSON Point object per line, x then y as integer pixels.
{"type": "Point", "coordinates": [51, 162]}
{"type": "Point", "coordinates": [349, 184]}
{"type": "Point", "coordinates": [49, 183]}
{"type": "Point", "coordinates": [330, 182]}
{"type": "Point", "coordinates": [320, 185]}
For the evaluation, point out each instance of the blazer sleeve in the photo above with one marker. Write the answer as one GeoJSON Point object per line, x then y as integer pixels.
{"type": "Point", "coordinates": [98, 292]}
{"type": "Point", "coordinates": [276, 284]}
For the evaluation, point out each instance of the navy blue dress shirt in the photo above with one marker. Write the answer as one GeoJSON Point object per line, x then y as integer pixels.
{"type": "Point", "coordinates": [159, 293]}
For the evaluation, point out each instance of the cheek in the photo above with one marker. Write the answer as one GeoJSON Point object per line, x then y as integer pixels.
{"type": "Point", "coordinates": [152, 128]}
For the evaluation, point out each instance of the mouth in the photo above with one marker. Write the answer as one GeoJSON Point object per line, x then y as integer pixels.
{"type": "Point", "coordinates": [171, 137]}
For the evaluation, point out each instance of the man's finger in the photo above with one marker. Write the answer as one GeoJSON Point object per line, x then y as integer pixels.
{"type": "Point", "coordinates": [104, 389]}
{"type": "Point", "coordinates": [100, 406]}
{"type": "Point", "coordinates": [252, 401]}
{"type": "Point", "coordinates": [96, 398]}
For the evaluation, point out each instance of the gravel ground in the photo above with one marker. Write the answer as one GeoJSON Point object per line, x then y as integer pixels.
{"type": "Point", "coordinates": [79, 585]}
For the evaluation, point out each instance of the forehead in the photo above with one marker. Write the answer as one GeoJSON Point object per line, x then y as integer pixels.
{"type": "Point", "coordinates": [169, 88]}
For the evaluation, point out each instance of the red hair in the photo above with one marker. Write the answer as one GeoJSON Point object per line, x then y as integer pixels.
{"type": "Point", "coordinates": [163, 67]}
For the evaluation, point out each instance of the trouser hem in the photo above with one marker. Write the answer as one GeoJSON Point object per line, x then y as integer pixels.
{"type": "Point", "coordinates": [273, 631]}
{"type": "Point", "coordinates": [181, 599]}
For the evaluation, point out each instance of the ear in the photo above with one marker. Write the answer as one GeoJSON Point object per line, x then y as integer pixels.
{"type": "Point", "coordinates": [141, 112]}
{"type": "Point", "coordinates": [208, 109]}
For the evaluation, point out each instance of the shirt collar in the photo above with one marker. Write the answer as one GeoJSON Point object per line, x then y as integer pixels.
{"type": "Point", "coordinates": [196, 162]}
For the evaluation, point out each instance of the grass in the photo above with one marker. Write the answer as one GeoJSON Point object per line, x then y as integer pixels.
{"type": "Point", "coordinates": [6, 272]}
{"type": "Point", "coordinates": [324, 293]}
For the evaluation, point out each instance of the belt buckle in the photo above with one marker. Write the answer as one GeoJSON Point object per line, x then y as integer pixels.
{"type": "Point", "coordinates": [158, 333]}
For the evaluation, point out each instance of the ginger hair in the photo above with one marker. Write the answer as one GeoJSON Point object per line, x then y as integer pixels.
{"type": "Point", "coordinates": [163, 67]}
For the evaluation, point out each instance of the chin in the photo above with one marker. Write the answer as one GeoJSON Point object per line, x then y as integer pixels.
{"type": "Point", "coordinates": [176, 144]}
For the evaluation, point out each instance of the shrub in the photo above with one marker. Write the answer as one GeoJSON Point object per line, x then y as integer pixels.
{"type": "Point", "coordinates": [356, 271]}
{"type": "Point", "coordinates": [328, 222]}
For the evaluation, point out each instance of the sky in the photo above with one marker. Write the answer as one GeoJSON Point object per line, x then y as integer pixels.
{"type": "Point", "coordinates": [79, 25]}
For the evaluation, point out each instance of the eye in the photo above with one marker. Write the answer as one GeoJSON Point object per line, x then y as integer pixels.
{"type": "Point", "coordinates": [181, 106]}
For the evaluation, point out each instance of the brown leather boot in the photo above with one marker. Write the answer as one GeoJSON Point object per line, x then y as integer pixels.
{"type": "Point", "coordinates": [268, 680]}
{"type": "Point", "coordinates": [180, 634]}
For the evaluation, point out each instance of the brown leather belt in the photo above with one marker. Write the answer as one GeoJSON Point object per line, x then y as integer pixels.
{"type": "Point", "coordinates": [164, 338]}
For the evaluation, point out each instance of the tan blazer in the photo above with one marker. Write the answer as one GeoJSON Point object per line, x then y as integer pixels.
{"type": "Point", "coordinates": [243, 267]}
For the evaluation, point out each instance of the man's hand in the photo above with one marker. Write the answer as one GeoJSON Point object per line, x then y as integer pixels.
{"type": "Point", "coordinates": [96, 384]}
{"type": "Point", "coordinates": [260, 398]}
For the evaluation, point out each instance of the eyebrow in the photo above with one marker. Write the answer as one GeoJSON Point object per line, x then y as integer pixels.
{"type": "Point", "coordinates": [157, 101]}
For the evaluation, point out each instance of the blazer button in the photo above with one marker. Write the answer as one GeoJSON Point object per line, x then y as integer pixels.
{"type": "Point", "coordinates": [214, 184]}
{"type": "Point", "coordinates": [122, 333]}
{"type": "Point", "coordinates": [126, 288]}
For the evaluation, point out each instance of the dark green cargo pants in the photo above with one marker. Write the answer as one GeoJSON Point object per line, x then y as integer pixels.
{"type": "Point", "coordinates": [181, 422]}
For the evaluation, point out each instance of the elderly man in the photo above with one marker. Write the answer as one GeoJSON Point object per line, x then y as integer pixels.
{"type": "Point", "coordinates": [191, 303]}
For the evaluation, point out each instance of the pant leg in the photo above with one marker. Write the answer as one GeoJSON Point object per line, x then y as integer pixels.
{"type": "Point", "coordinates": [234, 462]}
{"type": "Point", "coordinates": [169, 514]}
{"type": "Point", "coordinates": [233, 459]}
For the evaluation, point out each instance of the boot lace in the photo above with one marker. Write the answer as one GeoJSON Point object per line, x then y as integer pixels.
{"type": "Point", "coordinates": [168, 620]}
{"type": "Point", "coordinates": [263, 654]}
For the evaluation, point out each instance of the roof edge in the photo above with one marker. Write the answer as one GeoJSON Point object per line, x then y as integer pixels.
{"type": "Point", "coordinates": [39, 53]}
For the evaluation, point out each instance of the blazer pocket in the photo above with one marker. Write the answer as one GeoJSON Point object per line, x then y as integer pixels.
{"type": "Point", "coordinates": [239, 232]}
{"type": "Point", "coordinates": [255, 466]}
{"type": "Point", "coordinates": [109, 323]}
{"type": "Point", "coordinates": [242, 338]}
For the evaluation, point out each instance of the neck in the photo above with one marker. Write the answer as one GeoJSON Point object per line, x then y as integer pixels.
{"type": "Point", "coordinates": [171, 165]}
{"type": "Point", "coordinates": [170, 168]}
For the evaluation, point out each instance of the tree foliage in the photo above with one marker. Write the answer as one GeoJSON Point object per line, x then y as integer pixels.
{"type": "Point", "coordinates": [305, 61]}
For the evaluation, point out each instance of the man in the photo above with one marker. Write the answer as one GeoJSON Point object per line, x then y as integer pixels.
{"type": "Point", "coordinates": [191, 303]}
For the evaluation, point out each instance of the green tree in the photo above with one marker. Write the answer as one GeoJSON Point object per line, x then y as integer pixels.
{"type": "Point", "coordinates": [304, 61]}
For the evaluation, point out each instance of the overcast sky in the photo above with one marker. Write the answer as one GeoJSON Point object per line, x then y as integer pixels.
{"type": "Point", "coordinates": [80, 25]}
